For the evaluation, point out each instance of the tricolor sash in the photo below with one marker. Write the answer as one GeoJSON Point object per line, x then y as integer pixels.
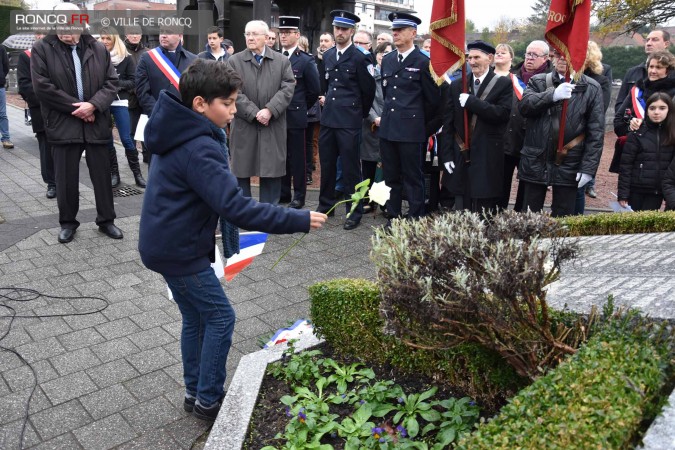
{"type": "Point", "coordinates": [518, 86]}
{"type": "Point", "coordinates": [638, 102]}
{"type": "Point", "coordinates": [165, 66]}
{"type": "Point", "coordinates": [250, 245]}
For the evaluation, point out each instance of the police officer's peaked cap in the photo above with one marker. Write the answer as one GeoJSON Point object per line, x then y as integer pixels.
{"type": "Point", "coordinates": [344, 19]}
{"type": "Point", "coordinates": [289, 22]}
{"type": "Point", "coordinates": [403, 20]}
{"type": "Point", "coordinates": [482, 46]}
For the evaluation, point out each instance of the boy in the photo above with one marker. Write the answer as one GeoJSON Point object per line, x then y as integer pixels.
{"type": "Point", "coordinates": [215, 48]}
{"type": "Point", "coordinates": [189, 187]}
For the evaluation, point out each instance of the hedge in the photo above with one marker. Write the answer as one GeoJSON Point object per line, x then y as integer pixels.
{"type": "Point", "coordinates": [623, 223]}
{"type": "Point", "coordinates": [597, 398]}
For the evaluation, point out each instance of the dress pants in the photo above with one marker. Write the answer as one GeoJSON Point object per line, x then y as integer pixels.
{"type": "Point", "coordinates": [46, 159]}
{"type": "Point", "coordinates": [295, 165]}
{"type": "Point", "coordinates": [402, 164]}
{"type": "Point", "coordinates": [134, 116]}
{"type": "Point", "coordinates": [67, 173]}
{"type": "Point", "coordinates": [270, 189]}
{"type": "Point", "coordinates": [645, 202]}
{"type": "Point", "coordinates": [562, 204]}
{"type": "Point", "coordinates": [343, 142]}
{"type": "Point", "coordinates": [510, 165]}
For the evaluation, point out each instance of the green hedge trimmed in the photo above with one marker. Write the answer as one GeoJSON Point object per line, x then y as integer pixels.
{"type": "Point", "coordinates": [596, 399]}
{"type": "Point", "coordinates": [345, 312]}
{"type": "Point", "coordinates": [624, 223]}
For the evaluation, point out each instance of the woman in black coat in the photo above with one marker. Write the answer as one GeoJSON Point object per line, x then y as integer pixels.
{"type": "Point", "coordinates": [647, 155]}
{"type": "Point", "coordinates": [126, 69]}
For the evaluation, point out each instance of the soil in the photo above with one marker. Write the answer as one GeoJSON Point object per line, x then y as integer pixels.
{"type": "Point", "coordinates": [269, 416]}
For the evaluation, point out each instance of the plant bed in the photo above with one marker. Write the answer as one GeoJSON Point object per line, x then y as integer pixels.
{"type": "Point", "coordinates": [350, 405]}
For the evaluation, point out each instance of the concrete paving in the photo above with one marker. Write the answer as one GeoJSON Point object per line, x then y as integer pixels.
{"type": "Point", "coordinates": [113, 378]}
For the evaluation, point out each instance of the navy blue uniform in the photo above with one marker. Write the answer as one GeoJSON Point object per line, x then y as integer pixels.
{"type": "Point", "coordinates": [349, 96]}
{"type": "Point", "coordinates": [410, 99]}
{"type": "Point", "coordinates": [307, 87]}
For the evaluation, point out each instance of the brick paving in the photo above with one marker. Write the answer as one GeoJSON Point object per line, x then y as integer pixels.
{"type": "Point", "coordinates": [112, 379]}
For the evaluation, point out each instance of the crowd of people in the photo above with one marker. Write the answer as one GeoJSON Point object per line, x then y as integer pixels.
{"type": "Point", "coordinates": [358, 108]}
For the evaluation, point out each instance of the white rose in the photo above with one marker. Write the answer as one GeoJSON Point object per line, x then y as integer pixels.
{"type": "Point", "coordinates": [379, 193]}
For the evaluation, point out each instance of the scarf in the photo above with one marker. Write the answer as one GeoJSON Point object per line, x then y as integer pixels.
{"type": "Point", "coordinates": [115, 58]}
{"type": "Point", "coordinates": [525, 75]}
{"type": "Point", "coordinates": [230, 232]}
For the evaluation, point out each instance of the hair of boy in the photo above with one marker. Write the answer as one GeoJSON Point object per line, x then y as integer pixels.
{"type": "Point", "coordinates": [211, 30]}
{"type": "Point", "coordinates": [209, 80]}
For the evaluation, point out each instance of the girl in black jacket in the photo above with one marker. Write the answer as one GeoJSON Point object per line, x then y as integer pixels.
{"type": "Point", "coordinates": [126, 70]}
{"type": "Point", "coordinates": [646, 156]}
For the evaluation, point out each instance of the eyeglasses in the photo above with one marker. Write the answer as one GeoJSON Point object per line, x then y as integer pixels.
{"type": "Point", "coordinates": [251, 34]}
{"type": "Point", "coordinates": [361, 43]}
{"type": "Point", "coordinates": [533, 56]}
{"type": "Point", "coordinates": [285, 32]}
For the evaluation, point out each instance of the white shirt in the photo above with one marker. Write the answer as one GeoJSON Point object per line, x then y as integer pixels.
{"type": "Point", "coordinates": [405, 54]}
{"type": "Point", "coordinates": [290, 51]}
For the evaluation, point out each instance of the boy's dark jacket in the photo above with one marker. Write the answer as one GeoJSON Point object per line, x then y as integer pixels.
{"type": "Point", "coordinates": [189, 187]}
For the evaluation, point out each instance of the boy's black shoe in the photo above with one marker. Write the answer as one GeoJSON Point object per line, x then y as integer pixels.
{"type": "Point", "coordinates": [208, 414]}
{"type": "Point", "coordinates": [189, 404]}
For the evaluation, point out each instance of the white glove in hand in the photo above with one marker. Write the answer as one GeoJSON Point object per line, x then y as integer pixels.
{"type": "Point", "coordinates": [450, 166]}
{"type": "Point", "coordinates": [583, 179]}
{"type": "Point", "coordinates": [462, 99]}
{"type": "Point", "coordinates": [563, 92]}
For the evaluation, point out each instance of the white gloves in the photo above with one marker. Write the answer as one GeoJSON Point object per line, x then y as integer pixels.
{"type": "Point", "coordinates": [563, 91]}
{"type": "Point", "coordinates": [462, 99]}
{"type": "Point", "coordinates": [583, 179]}
{"type": "Point", "coordinates": [450, 166]}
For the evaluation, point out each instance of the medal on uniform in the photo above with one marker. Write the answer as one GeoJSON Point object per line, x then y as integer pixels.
{"type": "Point", "coordinates": [384, 83]}
{"type": "Point", "coordinates": [327, 75]}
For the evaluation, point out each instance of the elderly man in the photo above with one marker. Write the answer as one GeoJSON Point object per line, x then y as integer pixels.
{"type": "Point", "coordinates": [536, 61]}
{"type": "Point", "coordinates": [258, 132]}
{"type": "Point", "coordinates": [410, 98]}
{"type": "Point", "coordinates": [306, 93]}
{"type": "Point", "coordinates": [385, 37]}
{"type": "Point", "coordinates": [75, 82]}
{"type": "Point", "coordinates": [479, 166]}
{"type": "Point", "coordinates": [542, 164]}
{"type": "Point", "coordinates": [656, 41]}
{"type": "Point", "coordinates": [349, 96]}
{"type": "Point", "coordinates": [271, 39]}
{"type": "Point", "coordinates": [426, 45]}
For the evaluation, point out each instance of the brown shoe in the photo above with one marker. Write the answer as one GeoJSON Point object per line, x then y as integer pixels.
{"type": "Point", "coordinates": [7, 144]}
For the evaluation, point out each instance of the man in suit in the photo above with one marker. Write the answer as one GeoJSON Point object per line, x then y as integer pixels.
{"type": "Point", "coordinates": [349, 96]}
{"type": "Point", "coordinates": [306, 92]}
{"type": "Point", "coordinates": [479, 167]}
{"type": "Point", "coordinates": [410, 98]}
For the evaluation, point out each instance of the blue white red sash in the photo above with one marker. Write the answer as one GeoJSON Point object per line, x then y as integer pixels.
{"type": "Point", "coordinates": [165, 65]}
{"type": "Point", "coordinates": [518, 86]}
{"type": "Point", "coordinates": [638, 102]}
{"type": "Point", "coordinates": [250, 245]}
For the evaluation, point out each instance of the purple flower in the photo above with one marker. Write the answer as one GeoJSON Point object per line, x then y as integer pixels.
{"type": "Point", "coordinates": [401, 429]}
{"type": "Point", "coordinates": [377, 432]}
{"type": "Point", "coordinates": [343, 395]}
{"type": "Point", "coordinates": [302, 417]}
{"type": "Point", "coordinates": [383, 440]}
{"type": "Point", "coordinates": [362, 402]}
{"type": "Point", "coordinates": [472, 403]}
{"type": "Point", "coordinates": [400, 400]}
{"type": "Point", "coordinates": [288, 412]}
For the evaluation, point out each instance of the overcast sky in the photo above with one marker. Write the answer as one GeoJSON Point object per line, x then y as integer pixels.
{"type": "Point", "coordinates": [476, 11]}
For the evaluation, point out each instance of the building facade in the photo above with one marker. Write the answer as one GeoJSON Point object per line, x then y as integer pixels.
{"type": "Point", "coordinates": [374, 14]}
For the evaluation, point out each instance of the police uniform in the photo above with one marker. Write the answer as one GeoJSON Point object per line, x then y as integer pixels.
{"type": "Point", "coordinates": [307, 87]}
{"type": "Point", "coordinates": [410, 98]}
{"type": "Point", "coordinates": [349, 96]}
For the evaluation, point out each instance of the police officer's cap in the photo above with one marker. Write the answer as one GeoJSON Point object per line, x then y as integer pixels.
{"type": "Point", "coordinates": [289, 22]}
{"type": "Point", "coordinates": [344, 19]}
{"type": "Point", "coordinates": [482, 46]}
{"type": "Point", "coordinates": [403, 20]}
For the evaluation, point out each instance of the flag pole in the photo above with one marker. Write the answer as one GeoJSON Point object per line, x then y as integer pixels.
{"type": "Point", "coordinates": [563, 121]}
{"type": "Point", "coordinates": [467, 137]}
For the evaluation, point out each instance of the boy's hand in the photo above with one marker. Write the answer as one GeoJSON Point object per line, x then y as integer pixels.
{"type": "Point", "coordinates": [316, 220]}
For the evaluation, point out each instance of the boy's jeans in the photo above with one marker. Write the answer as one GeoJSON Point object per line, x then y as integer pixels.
{"type": "Point", "coordinates": [208, 323]}
{"type": "Point", "coordinates": [4, 122]}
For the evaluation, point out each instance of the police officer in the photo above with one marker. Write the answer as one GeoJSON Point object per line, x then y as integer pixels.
{"type": "Point", "coordinates": [410, 97]}
{"type": "Point", "coordinates": [306, 92]}
{"type": "Point", "coordinates": [349, 96]}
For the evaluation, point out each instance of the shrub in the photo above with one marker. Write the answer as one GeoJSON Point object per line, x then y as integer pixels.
{"type": "Point", "coordinates": [626, 223]}
{"type": "Point", "coordinates": [345, 312]}
{"type": "Point", "coordinates": [597, 398]}
{"type": "Point", "coordinates": [458, 279]}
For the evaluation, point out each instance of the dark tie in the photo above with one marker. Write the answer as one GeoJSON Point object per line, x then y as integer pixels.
{"type": "Point", "coordinates": [285, 52]}
{"type": "Point", "coordinates": [172, 57]}
{"type": "Point", "coordinates": [338, 55]}
{"type": "Point", "coordinates": [259, 59]}
{"type": "Point", "coordinates": [400, 58]}
{"type": "Point", "coordinates": [477, 82]}
{"type": "Point", "coordinates": [78, 72]}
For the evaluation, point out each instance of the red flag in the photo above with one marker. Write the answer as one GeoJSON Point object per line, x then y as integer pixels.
{"type": "Point", "coordinates": [447, 37]}
{"type": "Point", "coordinates": [568, 29]}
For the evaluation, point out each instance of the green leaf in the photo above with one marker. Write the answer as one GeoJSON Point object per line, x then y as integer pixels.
{"type": "Point", "coordinates": [363, 414]}
{"type": "Point", "coordinates": [428, 394]}
{"type": "Point", "coordinates": [382, 409]}
{"type": "Point", "coordinates": [446, 436]}
{"type": "Point", "coordinates": [431, 416]}
{"type": "Point", "coordinates": [412, 426]}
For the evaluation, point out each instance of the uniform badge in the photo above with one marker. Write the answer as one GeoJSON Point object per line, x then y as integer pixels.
{"type": "Point", "coordinates": [384, 83]}
{"type": "Point", "coordinates": [371, 70]}
{"type": "Point", "coordinates": [327, 75]}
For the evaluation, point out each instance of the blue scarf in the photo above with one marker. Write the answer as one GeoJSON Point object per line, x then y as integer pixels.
{"type": "Point", "coordinates": [230, 232]}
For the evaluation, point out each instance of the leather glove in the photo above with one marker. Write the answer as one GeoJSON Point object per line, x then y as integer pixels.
{"type": "Point", "coordinates": [450, 166]}
{"type": "Point", "coordinates": [583, 179]}
{"type": "Point", "coordinates": [462, 99]}
{"type": "Point", "coordinates": [563, 91]}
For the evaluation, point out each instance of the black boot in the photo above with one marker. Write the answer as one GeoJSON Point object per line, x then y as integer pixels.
{"type": "Point", "coordinates": [135, 166]}
{"type": "Point", "coordinates": [114, 168]}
